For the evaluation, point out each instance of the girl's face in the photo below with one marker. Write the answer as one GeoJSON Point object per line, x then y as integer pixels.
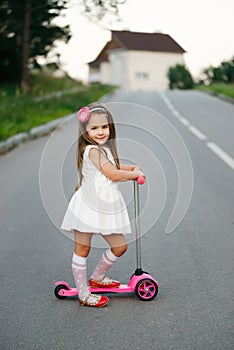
{"type": "Point", "coordinates": [98, 128]}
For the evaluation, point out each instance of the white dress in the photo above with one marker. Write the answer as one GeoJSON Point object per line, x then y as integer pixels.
{"type": "Point", "coordinates": [98, 205]}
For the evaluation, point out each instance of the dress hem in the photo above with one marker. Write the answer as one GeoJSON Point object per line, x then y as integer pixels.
{"type": "Point", "coordinates": [96, 232]}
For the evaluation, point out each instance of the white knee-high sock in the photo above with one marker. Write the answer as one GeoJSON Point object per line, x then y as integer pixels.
{"type": "Point", "coordinates": [80, 275]}
{"type": "Point", "coordinates": [107, 260]}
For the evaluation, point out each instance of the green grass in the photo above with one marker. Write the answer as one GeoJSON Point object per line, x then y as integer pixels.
{"type": "Point", "coordinates": [43, 84]}
{"type": "Point", "coordinates": [219, 88]}
{"type": "Point", "coordinates": [20, 112]}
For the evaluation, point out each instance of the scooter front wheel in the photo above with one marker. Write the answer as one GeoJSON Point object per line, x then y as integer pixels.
{"type": "Point", "coordinates": [146, 289]}
{"type": "Point", "coordinates": [58, 293]}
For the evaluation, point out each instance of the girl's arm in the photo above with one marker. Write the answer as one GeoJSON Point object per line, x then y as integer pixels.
{"type": "Point", "coordinates": [128, 167]}
{"type": "Point", "coordinates": [109, 170]}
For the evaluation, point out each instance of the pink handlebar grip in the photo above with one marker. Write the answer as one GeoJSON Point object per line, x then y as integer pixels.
{"type": "Point", "coordinates": [140, 180]}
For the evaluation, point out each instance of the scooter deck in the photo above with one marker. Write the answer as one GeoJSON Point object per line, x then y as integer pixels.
{"type": "Point", "coordinates": [123, 288]}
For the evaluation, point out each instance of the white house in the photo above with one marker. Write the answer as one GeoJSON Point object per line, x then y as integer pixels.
{"type": "Point", "coordinates": [136, 61]}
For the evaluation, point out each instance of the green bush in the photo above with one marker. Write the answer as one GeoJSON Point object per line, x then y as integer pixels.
{"type": "Point", "coordinates": [224, 73]}
{"type": "Point", "coordinates": [180, 77]}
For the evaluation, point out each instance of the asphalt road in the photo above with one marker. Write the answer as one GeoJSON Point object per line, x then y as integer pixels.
{"type": "Point", "coordinates": [193, 264]}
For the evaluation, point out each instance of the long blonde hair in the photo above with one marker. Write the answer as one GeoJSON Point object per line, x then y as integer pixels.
{"type": "Point", "coordinates": [84, 140]}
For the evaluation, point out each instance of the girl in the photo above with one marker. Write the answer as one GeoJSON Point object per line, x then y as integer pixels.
{"type": "Point", "coordinates": [97, 206]}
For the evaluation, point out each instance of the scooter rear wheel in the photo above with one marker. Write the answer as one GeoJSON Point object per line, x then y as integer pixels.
{"type": "Point", "coordinates": [58, 289]}
{"type": "Point", "coordinates": [146, 289]}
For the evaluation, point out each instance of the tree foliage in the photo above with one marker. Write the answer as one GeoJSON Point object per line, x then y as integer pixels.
{"type": "Point", "coordinates": [97, 9]}
{"type": "Point", "coordinates": [224, 73]}
{"type": "Point", "coordinates": [27, 31]}
{"type": "Point", "coordinates": [180, 77]}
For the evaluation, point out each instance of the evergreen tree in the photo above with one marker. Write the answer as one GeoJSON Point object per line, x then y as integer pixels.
{"type": "Point", "coordinates": [26, 32]}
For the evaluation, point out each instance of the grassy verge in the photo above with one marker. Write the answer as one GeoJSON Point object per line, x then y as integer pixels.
{"type": "Point", "coordinates": [224, 89]}
{"type": "Point", "coordinates": [20, 112]}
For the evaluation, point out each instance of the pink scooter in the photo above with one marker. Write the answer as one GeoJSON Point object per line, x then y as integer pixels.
{"type": "Point", "coordinates": [143, 284]}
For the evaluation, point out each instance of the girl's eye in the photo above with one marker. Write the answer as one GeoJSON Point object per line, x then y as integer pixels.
{"type": "Point", "coordinates": [103, 127]}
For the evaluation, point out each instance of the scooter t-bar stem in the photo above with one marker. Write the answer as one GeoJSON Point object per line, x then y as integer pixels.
{"type": "Point", "coordinates": [140, 180]}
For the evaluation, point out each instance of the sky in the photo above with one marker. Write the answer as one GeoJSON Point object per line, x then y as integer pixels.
{"type": "Point", "coordinates": [204, 28]}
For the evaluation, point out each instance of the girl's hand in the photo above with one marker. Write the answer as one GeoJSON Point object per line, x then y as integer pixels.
{"type": "Point", "coordinates": [137, 173]}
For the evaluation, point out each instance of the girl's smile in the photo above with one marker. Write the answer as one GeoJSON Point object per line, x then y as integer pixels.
{"type": "Point", "coordinates": [98, 128]}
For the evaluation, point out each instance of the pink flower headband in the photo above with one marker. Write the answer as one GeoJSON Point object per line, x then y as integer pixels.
{"type": "Point", "coordinates": [84, 113]}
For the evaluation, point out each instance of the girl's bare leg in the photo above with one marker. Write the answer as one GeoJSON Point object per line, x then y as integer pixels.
{"type": "Point", "coordinates": [82, 243]}
{"type": "Point", "coordinates": [118, 248]}
{"type": "Point", "coordinates": [117, 243]}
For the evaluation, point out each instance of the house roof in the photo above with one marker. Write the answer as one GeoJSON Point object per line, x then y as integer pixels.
{"type": "Point", "coordinates": [147, 41]}
{"type": "Point", "coordinates": [138, 41]}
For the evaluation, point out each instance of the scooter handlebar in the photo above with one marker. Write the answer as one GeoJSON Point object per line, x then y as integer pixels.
{"type": "Point", "coordinates": [140, 180]}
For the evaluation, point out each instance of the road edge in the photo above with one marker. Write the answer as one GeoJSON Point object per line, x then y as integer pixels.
{"type": "Point", "coordinates": [220, 96]}
{"type": "Point", "coordinates": [34, 133]}
{"type": "Point", "coordinates": [38, 131]}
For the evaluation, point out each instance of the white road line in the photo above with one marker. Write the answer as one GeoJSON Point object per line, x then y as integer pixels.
{"type": "Point", "coordinates": [184, 121]}
{"type": "Point", "coordinates": [221, 154]}
{"type": "Point", "coordinates": [177, 114]}
{"type": "Point", "coordinates": [211, 145]}
{"type": "Point", "coordinates": [197, 133]}
{"type": "Point", "coordinates": [173, 109]}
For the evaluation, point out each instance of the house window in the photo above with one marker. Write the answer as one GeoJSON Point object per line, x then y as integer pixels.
{"type": "Point", "coordinates": [142, 75]}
